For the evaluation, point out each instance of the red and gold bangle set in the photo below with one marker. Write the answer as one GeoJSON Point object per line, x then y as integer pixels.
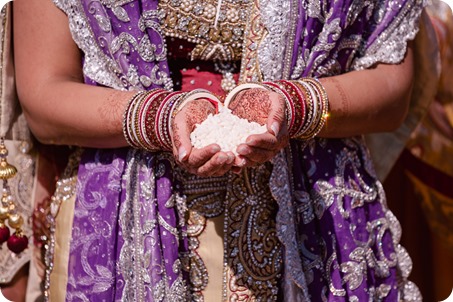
{"type": "Point", "coordinates": [148, 116]}
{"type": "Point", "coordinates": [146, 121]}
{"type": "Point", "coordinates": [307, 105]}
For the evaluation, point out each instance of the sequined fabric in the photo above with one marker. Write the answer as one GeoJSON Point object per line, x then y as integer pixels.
{"type": "Point", "coordinates": [337, 241]}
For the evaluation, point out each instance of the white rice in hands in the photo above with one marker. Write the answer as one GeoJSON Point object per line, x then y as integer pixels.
{"type": "Point", "coordinates": [225, 129]}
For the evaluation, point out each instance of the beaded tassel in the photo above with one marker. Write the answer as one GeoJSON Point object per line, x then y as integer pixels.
{"type": "Point", "coordinates": [8, 212]}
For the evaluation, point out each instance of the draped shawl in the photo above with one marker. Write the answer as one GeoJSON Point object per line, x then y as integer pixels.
{"type": "Point", "coordinates": [128, 220]}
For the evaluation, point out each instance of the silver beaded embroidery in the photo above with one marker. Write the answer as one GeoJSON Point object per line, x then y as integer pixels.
{"type": "Point", "coordinates": [391, 45]}
{"type": "Point", "coordinates": [108, 70]}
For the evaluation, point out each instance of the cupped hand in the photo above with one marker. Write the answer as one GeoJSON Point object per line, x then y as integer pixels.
{"type": "Point", "coordinates": [266, 108]}
{"type": "Point", "coordinates": [207, 161]}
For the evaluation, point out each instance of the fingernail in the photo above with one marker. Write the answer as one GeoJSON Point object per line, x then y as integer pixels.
{"type": "Point", "coordinates": [242, 163]}
{"type": "Point", "coordinates": [275, 128]}
{"type": "Point", "coordinates": [215, 149]}
{"type": "Point", "coordinates": [242, 150]}
{"type": "Point", "coordinates": [182, 153]}
{"type": "Point", "coordinates": [222, 159]}
{"type": "Point", "coordinates": [230, 158]}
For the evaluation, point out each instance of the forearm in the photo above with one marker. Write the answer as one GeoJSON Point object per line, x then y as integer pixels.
{"type": "Point", "coordinates": [59, 107]}
{"type": "Point", "coordinates": [366, 101]}
{"type": "Point", "coordinates": [71, 113]}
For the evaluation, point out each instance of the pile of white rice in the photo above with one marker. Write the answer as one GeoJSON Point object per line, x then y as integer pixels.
{"type": "Point", "coordinates": [225, 129]}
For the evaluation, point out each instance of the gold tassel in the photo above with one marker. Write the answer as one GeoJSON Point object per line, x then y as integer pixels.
{"type": "Point", "coordinates": [7, 170]}
{"type": "Point", "coordinates": [18, 241]}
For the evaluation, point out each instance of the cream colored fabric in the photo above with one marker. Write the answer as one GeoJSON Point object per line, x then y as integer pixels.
{"type": "Point", "coordinates": [36, 272]}
{"type": "Point", "coordinates": [385, 148]}
{"type": "Point", "coordinates": [34, 291]}
{"type": "Point", "coordinates": [12, 120]}
{"type": "Point", "coordinates": [59, 274]}
{"type": "Point", "coordinates": [211, 251]}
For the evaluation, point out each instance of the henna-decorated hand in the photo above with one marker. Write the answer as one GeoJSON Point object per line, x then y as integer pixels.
{"type": "Point", "coordinates": [266, 108]}
{"type": "Point", "coordinates": [207, 161]}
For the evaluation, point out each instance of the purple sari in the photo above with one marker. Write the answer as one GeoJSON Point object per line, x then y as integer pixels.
{"type": "Point", "coordinates": [339, 241]}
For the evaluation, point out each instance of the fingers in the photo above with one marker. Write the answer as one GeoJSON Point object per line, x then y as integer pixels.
{"type": "Point", "coordinates": [198, 157]}
{"type": "Point", "coordinates": [260, 105]}
{"type": "Point", "coordinates": [181, 138]}
{"type": "Point", "coordinates": [208, 161]}
{"type": "Point", "coordinates": [260, 148]}
{"type": "Point", "coordinates": [218, 165]}
{"type": "Point", "coordinates": [195, 112]}
{"type": "Point", "coordinates": [253, 157]}
{"type": "Point", "coordinates": [263, 141]}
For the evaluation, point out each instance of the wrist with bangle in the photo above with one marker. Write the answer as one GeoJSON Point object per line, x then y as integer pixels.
{"type": "Point", "coordinates": [148, 118]}
{"type": "Point", "coordinates": [307, 104]}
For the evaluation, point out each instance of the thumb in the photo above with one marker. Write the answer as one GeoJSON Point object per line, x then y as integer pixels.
{"type": "Point", "coordinates": [277, 116]}
{"type": "Point", "coordinates": [182, 145]}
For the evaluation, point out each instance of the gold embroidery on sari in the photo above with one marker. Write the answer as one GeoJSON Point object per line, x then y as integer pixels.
{"type": "Point", "coordinates": [255, 32]}
{"type": "Point", "coordinates": [253, 256]}
{"type": "Point", "coordinates": [216, 27]}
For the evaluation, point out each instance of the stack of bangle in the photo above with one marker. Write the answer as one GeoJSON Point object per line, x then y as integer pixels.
{"type": "Point", "coordinates": [143, 120]}
{"type": "Point", "coordinates": [148, 117]}
{"type": "Point", "coordinates": [319, 108]}
{"type": "Point", "coordinates": [293, 99]}
{"type": "Point", "coordinates": [307, 106]}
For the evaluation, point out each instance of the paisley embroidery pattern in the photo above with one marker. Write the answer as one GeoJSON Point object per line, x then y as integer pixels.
{"type": "Point", "coordinates": [113, 57]}
{"type": "Point", "coordinates": [252, 255]}
{"type": "Point", "coordinates": [324, 55]}
{"type": "Point", "coordinates": [204, 198]}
